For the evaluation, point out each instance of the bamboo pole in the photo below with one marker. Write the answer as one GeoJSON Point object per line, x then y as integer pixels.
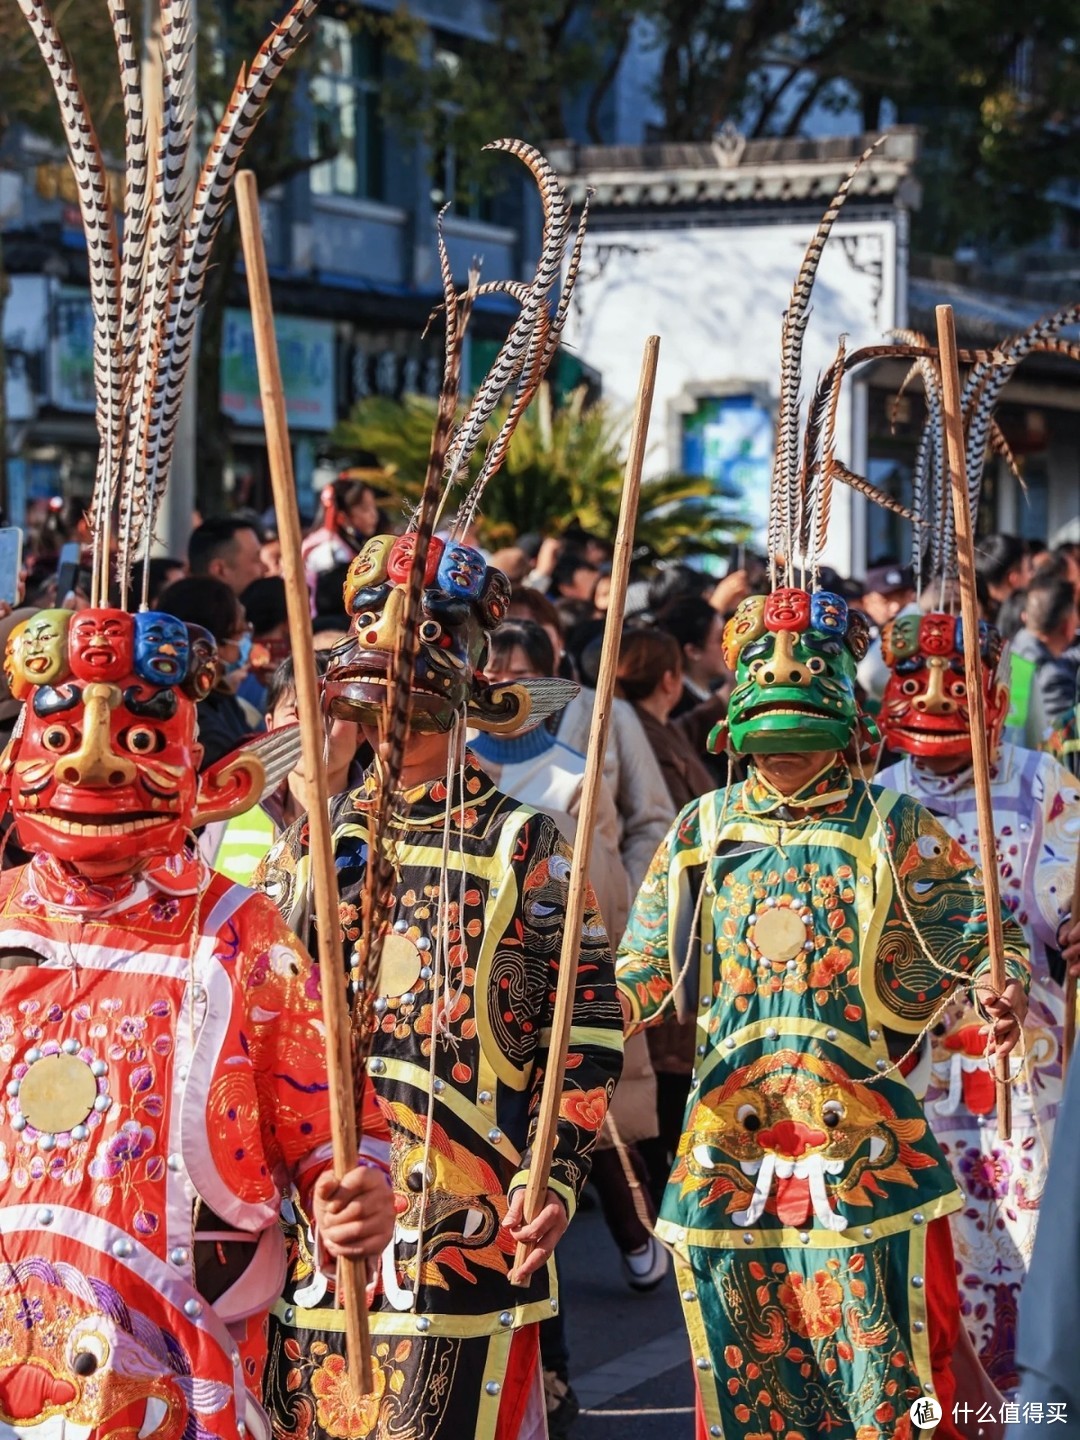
{"type": "Point", "coordinates": [954, 437]}
{"type": "Point", "coordinates": [351, 1273]}
{"type": "Point", "coordinates": [1069, 1037]}
{"type": "Point", "coordinates": [544, 1139]}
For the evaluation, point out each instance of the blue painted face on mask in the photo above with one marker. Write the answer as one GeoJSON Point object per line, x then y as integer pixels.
{"type": "Point", "coordinates": [162, 648]}
{"type": "Point", "coordinates": [243, 654]}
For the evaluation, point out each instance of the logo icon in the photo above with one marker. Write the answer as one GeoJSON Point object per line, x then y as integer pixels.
{"type": "Point", "coordinates": [925, 1413]}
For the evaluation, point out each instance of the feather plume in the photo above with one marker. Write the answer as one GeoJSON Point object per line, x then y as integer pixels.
{"type": "Point", "coordinates": [99, 229]}
{"type": "Point", "coordinates": [987, 379]}
{"type": "Point", "coordinates": [793, 329]}
{"type": "Point", "coordinates": [144, 406]}
{"type": "Point", "coordinates": [212, 193]}
{"type": "Point", "coordinates": [508, 362]}
{"type": "Point", "coordinates": [828, 465]}
{"type": "Point", "coordinates": [539, 356]}
{"type": "Point", "coordinates": [879, 497]}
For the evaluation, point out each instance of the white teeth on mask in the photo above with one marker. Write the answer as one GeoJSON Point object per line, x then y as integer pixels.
{"type": "Point", "coordinates": [833, 1167]}
{"type": "Point", "coordinates": [156, 1412]}
{"type": "Point", "coordinates": [474, 1221]}
{"type": "Point", "coordinates": [877, 1147]}
{"type": "Point", "coordinates": [400, 1299]}
{"type": "Point", "coordinates": [823, 1211]}
{"type": "Point", "coordinates": [754, 1210]}
{"type": "Point", "coordinates": [749, 1167]}
{"type": "Point", "coordinates": [407, 1235]}
{"type": "Point", "coordinates": [785, 1168]}
{"type": "Point", "coordinates": [703, 1155]}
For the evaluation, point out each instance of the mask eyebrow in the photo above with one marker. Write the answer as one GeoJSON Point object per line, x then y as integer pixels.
{"type": "Point", "coordinates": [48, 701]}
{"type": "Point", "coordinates": [160, 706]}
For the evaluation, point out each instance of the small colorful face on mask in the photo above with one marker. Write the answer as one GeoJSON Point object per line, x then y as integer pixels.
{"type": "Point", "coordinates": [794, 656]}
{"type": "Point", "coordinates": [925, 710]}
{"type": "Point", "coordinates": [202, 670]}
{"type": "Point", "coordinates": [41, 650]}
{"type": "Point", "coordinates": [401, 558]}
{"type": "Point", "coordinates": [461, 571]}
{"type": "Point", "coordinates": [748, 623]}
{"type": "Point", "coordinates": [368, 569]}
{"type": "Point", "coordinates": [101, 644]}
{"type": "Point", "coordinates": [462, 601]}
{"type": "Point", "coordinates": [105, 770]}
{"type": "Point", "coordinates": [162, 650]}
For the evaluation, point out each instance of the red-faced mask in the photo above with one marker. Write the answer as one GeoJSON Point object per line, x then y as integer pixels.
{"type": "Point", "coordinates": [103, 770]}
{"type": "Point", "coordinates": [925, 708]}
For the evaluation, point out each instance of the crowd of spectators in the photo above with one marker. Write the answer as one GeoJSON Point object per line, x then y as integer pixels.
{"type": "Point", "coordinates": [672, 686]}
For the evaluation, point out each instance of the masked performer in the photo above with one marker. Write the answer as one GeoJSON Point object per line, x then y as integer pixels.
{"type": "Point", "coordinates": [162, 1053]}
{"type": "Point", "coordinates": [475, 899]}
{"type": "Point", "coordinates": [815, 925]}
{"type": "Point", "coordinates": [1036, 804]}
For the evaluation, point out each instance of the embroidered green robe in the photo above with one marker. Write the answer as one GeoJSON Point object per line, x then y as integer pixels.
{"type": "Point", "coordinates": [807, 1174]}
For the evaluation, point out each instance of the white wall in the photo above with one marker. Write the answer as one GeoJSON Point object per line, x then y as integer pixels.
{"type": "Point", "coordinates": [715, 295]}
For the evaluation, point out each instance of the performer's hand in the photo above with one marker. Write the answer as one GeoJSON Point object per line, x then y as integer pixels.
{"type": "Point", "coordinates": [730, 591]}
{"type": "Point", "coordinates": [354, 1216]}
{"type": "Point", "coordinates": [1069, 940]}
{"type": "Point", "coordinates": [543, 1233]}
{"type": "Point", "coordinates": [1006, 1012]}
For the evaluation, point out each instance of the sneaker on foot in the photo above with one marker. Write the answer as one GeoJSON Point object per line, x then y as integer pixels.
{"type": "Point", "coordinates": [645, 1268]}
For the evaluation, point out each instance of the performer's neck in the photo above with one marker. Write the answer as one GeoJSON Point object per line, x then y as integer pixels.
{"type": "Point", "coordinates": [426, 756]}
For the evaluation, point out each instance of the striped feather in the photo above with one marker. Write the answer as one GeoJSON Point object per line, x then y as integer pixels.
{"type": "Point", "coordinates": [99, 229]}
{"type": "Point", "coordinates": [549, 333]}
{"type": "Point", "coordinates": [879, 497]}
{"type": "Point", "coordinates": [793, 330]}
{"type": "Point", "coordinates": [986, 381]}
{"type": "Point", "coordinates": [145, 406]}
{"type": "Point", "coordinates": [511, 356]}
{"type": "Point", "coordinates": [828, 464]}
{"type": "Point", "coordinates": [212, 193]}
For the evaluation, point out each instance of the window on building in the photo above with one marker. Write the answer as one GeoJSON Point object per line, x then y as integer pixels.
{"type": "Point", "coordinates": [470, 200]}
{"type": "Point", "coordinates": [348, 122]}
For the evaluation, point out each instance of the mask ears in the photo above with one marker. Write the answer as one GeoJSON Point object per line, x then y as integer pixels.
{"type": "Point", "coordinates": [996, 711]}
{"type": "Point", "coordinates": [229, 788]}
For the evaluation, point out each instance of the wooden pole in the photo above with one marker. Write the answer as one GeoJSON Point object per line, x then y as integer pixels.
{"type": "Point", "coordinates": [1069, 1037]}
{"type": "Point", "coordinates": [544, 1140]}
{"type": "Point", "coordinates": [965, 544]}
{"type": "Point", "coordinates": [351, 1273]}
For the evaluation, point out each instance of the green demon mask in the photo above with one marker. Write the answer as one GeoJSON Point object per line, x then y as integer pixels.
{"type": "Point", "coordinates": [794, 657]}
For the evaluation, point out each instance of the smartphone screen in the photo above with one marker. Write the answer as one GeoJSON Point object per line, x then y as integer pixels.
{"type": "Point", "coordinates": [11, 543]}
{"type": "Point", "coordinates": [67, 571]}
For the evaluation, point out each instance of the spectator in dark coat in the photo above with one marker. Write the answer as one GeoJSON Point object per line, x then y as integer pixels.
{"type": "Point", "coordinates": [224, 722]}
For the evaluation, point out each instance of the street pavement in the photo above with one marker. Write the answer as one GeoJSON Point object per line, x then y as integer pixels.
{"type": "Point", "coordinates": [629, 1357]}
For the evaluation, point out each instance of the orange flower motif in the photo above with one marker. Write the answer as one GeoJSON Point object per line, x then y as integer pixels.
{"type": "Point", "coordinates": [586, 1108]}
{"type": "Point", "coordinates": [736, 977]}
{"type": "Point", "coordinates": [812, 1306]}
{"type": "Point", "coordinates": [338, 1409]}
{"type": "Point", "coordinates": [828, 966]}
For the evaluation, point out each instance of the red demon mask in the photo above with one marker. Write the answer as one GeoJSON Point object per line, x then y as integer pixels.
{"type": "Point", "coordinates": [102, 770]}
{"type": "Point", "coordinates": [925, 707]}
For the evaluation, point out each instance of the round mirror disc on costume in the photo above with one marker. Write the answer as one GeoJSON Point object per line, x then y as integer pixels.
{"type": "Point", "coordinates": [57, 1093]}
{"type": "Point", "coordinates": [779, 934]}
{"type": "Point", "coordinates": [399, 972]}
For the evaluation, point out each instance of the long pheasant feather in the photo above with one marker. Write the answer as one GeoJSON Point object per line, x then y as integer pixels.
{"type": "Point", "coordinates": [177, 120]}
{"type": "Point", "coordinates": [99, 229]}
{"type": "Point", "coordinates": [793, 329]}
{"type": "Point", "coordinates": [508, 361]}
{"type": "Point", "coordinates": [212, 193]}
